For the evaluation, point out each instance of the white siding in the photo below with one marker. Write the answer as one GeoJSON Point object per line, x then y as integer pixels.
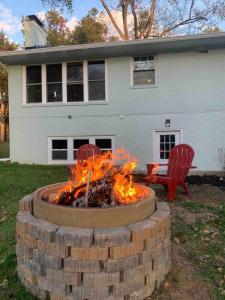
{"type": "Point", "coordinates": [190, 91]}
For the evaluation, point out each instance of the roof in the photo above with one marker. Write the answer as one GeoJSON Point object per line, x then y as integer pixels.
{"type": "Point", "coordinates": [114, 49]}
{"type": "Point", "coordinates": [35, 19]}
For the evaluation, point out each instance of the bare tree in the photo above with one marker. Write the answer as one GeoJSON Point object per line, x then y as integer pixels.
{"type": "Point", "coordinates": [143, 19]}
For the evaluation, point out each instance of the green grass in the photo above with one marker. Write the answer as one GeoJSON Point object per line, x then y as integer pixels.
{"type": "Point", "coordinates": [4, 150]}
{"type": "Point", "coordinates": [15, 182]}
{"type": "Point", "coordinates": [203, 241]}
{"type": "Point", "coordinates": [204, 244]}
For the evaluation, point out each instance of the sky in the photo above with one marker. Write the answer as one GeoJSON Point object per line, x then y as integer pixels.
{"type": "Point", "coordinates": [11, 12]}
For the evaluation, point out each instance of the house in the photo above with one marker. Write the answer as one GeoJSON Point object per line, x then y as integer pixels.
{"type": "Point", "coordinates": [146, 95]}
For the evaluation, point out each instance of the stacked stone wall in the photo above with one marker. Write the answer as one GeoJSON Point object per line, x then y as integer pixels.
{"type": "Point", "coordinates": [65, 263]}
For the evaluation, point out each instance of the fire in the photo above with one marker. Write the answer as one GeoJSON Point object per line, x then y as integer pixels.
{"type": "Point", "coordinates": [118, 167]}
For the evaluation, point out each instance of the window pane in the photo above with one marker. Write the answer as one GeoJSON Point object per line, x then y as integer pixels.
{"type": "Point", "coordinates": [167, 138]}
{"type": "Point", "coordinates": [34, 74]}
{"type": "Point", "coordinates": [54, 92]}
{"type": "Point", "coordinates": [34, 94]}
{"type": "Point", "coordinates": [96, 70]}
{"type": "Point", "coordinates": [103, 143]}
{"type": "Point", "coordinates": [144, 63]}
{"type": "Point", "coordinates": [172, 138]}
{"type": "Point", "coordinates": [161, 138]}
{"type": "Point", "coordinates": [75, 72]}
{"type": "Point", "coordinates": [75, 92]}
{"type": "Point", "coordinates": [144, 77]}
{"type": "Point", "coordinates": [54, 73]}
{"type": "Point", "coordinates": [59, 155]}
{"type": "Point", "coordinates": [59, 144]}
{"type": "Point", "coordinates": [77, 143]}
{"type": "Point", "coordinates": [96, 90]}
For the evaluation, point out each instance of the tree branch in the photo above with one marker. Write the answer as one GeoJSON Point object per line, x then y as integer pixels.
{"type": "Point", "coordinates": [146, 32]}
{"type": "Point", "coordinates": [191, 8]}
{"type": "Point", "coordinates": [135, 19]}
{"type": "Point", "coordinates": [113, 20]}
{"type": "Point", "coordinates": [124, 5]}
{"type": "Point", "coordinates": [184, 22]}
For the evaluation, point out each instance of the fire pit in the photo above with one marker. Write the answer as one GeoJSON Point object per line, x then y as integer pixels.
{"type": "Point", "coordinates": [99, 236]}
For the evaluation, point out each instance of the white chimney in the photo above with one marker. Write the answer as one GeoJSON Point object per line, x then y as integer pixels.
{"type": "Point", "coordinates": [34, 32]}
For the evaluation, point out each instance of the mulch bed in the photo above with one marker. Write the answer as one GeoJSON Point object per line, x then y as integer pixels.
{"type": "Point", "coordinates": [212, 180]}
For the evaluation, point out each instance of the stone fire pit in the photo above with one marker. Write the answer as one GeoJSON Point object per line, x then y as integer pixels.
{"type": "Point", "coordinates": [66, 253]}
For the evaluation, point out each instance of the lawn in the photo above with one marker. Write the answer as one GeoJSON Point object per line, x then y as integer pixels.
{"type": "Point", "coordinates": [4, 150]}
{"type": "Point", "coordinates": [198, 235]}
{"type": "Point", "coordinates": [16, 181]}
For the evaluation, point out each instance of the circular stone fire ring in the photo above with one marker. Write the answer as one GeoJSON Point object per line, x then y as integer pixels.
{"type": "Point", "coordinates": [114, 216]}
{"type": "Point", "coordinates": [59, 262]}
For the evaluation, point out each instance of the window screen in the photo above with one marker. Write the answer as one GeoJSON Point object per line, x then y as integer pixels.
{"type": "Point", "coordinates": [54, 83]}
{"type": "Point", "coordinates": [75, 86]}
{"type": "Point", "coordinates": [34, 90]}
{"type": "Point", "coordinates": [96, 80]}
{"type": "Point", "coordinates": [144, 70]}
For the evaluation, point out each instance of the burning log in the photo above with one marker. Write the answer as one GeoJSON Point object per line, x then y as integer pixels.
{"type": "Point", "coordinates": [99, 182]}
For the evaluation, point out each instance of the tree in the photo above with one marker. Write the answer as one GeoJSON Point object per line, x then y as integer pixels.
{"type": "Point", "coordinates": [57, 32]}
{"type": "Point", "coordinates": [90, 29]}
{"type": "Point", "coordinates": [5, 45]}
{"type": "Point", "coordinates": [158, 18]}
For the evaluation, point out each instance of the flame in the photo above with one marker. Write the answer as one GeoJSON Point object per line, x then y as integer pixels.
{"type": "Point", "coordinates": [124, 189]}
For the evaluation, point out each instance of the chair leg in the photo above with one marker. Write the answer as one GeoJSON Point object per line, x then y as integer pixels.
{"type": "Point", "coordinates": [171, 191]}
{"type": "Point", "coordinates": [186, 189]}
{"type": "Point", "coordinates": [166, 188]}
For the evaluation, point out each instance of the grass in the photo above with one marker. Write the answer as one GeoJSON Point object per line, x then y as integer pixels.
{"type": "Point", "coordinates": [203, 240]}
{"type": "Point", "coordinates": [15, 182]}
{"type": "Point", "coordinates": [4, 150]}
{"type": "Point", "coordinates": [204, 243]}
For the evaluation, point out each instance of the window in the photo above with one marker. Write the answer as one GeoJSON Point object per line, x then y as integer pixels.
{"type": "Point", "coordinates": [164, 141]}
{"type": "Point", "coordinates": [167, 142]}
{"type": "Point", "coordinates": [96, 80]}
{"type": "Point", "coordinates": [66, 83]}
{"type": "Point", "coordinates": [77, 143]}
{"type": "Point", "coordinates": [143, 70]}
{"type": "Point", "coordinates": [59, 149]}
{"type": "Point", "coordinates": [104, 144]}
{"type": "Point", "coordinates": [75, 86]}
{"type": "Point", "coordinates": [64, 150]}
{"type": "Point", "coordinates": [54, 83]}
{"type": "Point", "coordinates": [33, 80]}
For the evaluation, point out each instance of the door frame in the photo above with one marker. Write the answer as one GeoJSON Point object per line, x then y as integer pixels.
{"type": "Point", "coordinates": [180, 131]}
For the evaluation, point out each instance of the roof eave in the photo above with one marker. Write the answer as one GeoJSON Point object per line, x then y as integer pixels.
{"type": "Point", "coordinates": [115, 49]}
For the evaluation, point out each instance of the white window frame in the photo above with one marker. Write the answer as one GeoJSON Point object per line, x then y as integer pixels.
{"type": "Point", "coordinates": [156, 145]}
{"type": "Point", "coordinates": [143, 86]}
{"type": "Point", "coordinates": [70, 148]}
{"type": "Point", "coordinates": [64, 85]}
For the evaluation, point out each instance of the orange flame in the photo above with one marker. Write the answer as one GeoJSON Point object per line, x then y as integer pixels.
{"type": "Point", "coordinates": [106, 164]}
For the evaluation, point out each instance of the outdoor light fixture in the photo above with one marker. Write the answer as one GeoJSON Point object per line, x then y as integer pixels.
{"type": "Point", "coordinates": [167, 123]}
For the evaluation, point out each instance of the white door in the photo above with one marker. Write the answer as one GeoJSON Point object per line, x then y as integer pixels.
{"type": "Point", "coordinates": [164, 141]}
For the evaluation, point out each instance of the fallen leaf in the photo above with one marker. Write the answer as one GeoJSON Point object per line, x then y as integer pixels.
{"type": "Point", "coordinates": [167, 285]}
{"type": "Point", "coordinates": [177, 240]}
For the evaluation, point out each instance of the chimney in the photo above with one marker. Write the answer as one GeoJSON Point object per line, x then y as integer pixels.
{"type": "Point", "coordinates": [34, 32]}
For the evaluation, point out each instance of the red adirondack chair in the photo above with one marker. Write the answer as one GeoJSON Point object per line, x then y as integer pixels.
{"type": "Point", "coordinates": [87, 150]}
{"type": "Point", "coordinates": [179, 164]}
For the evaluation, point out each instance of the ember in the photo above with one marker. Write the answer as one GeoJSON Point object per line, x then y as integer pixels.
{"type": "Point", "coordinates": [102, 180]}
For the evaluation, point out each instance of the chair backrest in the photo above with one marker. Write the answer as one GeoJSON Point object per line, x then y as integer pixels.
{"type": "Point", "coordinates": [180, 160]}
{"type": "Point", "coordinates": [87, 150]}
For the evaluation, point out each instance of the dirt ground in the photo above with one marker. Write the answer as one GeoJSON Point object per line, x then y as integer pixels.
{"type": "Point", "coordinates": [184, 282]}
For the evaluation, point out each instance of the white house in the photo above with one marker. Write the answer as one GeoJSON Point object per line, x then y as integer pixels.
{"type": "Point", "coordinates": [145, 95]}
